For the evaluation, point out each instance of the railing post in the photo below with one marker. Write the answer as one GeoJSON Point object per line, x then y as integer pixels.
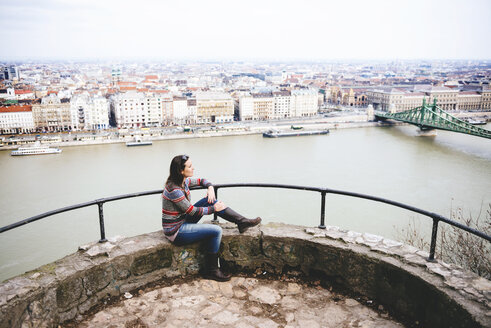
{"type": "Point", "coordinates": [434, 231]}
{"type": "Point", "coordinates": [323, 209]}
{"type": "Point", "coordinates": [101, 222]}
{"type": "Point", "coordinates": [215, 216]}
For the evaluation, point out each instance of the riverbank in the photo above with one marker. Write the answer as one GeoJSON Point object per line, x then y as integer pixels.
{"type": "Point", "coordinates": [59, 140]}
{"type": "Point", "coordinates": [337, 121]}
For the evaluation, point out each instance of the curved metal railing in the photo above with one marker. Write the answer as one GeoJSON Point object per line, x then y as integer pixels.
{"type": "Point", "coordinates": [323, 191]}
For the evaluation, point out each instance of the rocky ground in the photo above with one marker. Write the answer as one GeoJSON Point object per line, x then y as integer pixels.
{"type": "Point", "coordinates": [241, 302]}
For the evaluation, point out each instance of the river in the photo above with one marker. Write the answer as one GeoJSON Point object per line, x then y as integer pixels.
{"type": "Point", "coordinates": [437, 174]}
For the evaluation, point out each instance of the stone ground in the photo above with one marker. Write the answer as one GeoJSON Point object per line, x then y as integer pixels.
{"type": "Point", "coordinates": [241, 302]}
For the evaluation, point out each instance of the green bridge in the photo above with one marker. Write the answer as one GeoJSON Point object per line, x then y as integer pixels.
{"type": "Point", "coordinates": [428, 117]}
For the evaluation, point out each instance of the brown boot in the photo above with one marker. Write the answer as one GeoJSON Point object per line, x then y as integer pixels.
{"type": "Point", "coordinates": [212, 271]}
{"type": "Point", "coordinates": [242, 223]}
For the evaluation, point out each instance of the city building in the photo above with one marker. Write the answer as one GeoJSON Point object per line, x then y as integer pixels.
{"type": "Point", "coordinates": [24, 94]}
{"type": "Point", "coordinates": [99, 116]}
{"type": "Point", "coordinates": [192, 110]}
{"type": "Point", "coordinates": [135, 110]}
{"type": "Point", "coordinates": [167, 93]}
{"type": "Point", "coordinates": [281, 104]}
{"type": "Point", "coordinates": [16, 119]}
{"type": "Point", "coordinates": [412, 100]}
{"type": "Point", "coordinates": [89, 113]}
{"type": "Point", "coordinates": [352, 97]}
{"type": "Point", "coordinates": [304, 102]}
{"type": "Point", "coordinates": [11, 73]}
{"type": "Point", "coordinates": [485, 99]}
{"type": "Point", "coordinates": [116, 75]}
{"type": "Point", "coordinates": [278, 104]}
{"type": "Point", "coordinates": [180, 111]}
{"type": "Point", "coordinates": [214, 107]}
{"type": "Point", "coordinates": [246, 107]}
{"type": "Point", "coordinates": [167, 109]}
{"type": "Point", "coordinates": [53, 114]}
{"type": "Point", "coordinates": [387, 98]}
{"type": "Point", "coordinates": [469, 100]}
{"type": "Point", "coordinates": [79, 111]}
{"type": "Point", "coordinates": [263, 106]}
{"type": "Point", "coordinates": [448, 99]}
{"type": "Point", "coordinates": [7, 94]}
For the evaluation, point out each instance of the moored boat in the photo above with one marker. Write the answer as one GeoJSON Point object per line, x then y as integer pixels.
{"type": "Point", "coordinates": [476, 122]}
{"type": "Point", "coordinates": [37, 149]}
{"type": "Point", "coordinates": [277, 134]}
{"type": "Point", "coordinates": [138, 142]}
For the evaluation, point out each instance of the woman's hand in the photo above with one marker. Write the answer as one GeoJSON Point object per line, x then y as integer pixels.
{"type": "Point", "coordinates": [219, 206]}
{"type": "Point", "coordinates": [211, 195]}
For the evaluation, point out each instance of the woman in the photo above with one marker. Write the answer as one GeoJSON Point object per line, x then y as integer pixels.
{"type": "Point", "coordinates": [179, 217]}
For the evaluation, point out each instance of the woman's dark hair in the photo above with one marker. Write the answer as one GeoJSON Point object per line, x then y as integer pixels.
{"type": "Point", "coordinates": [176, 166]}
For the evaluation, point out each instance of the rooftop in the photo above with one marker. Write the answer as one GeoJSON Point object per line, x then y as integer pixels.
{"type": "Point", "coordinates": [16, 108]}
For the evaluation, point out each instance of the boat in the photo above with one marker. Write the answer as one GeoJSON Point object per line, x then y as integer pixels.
{"type": "Point", "coordinates": [277, 134]}
{"type": "Point", "coordinates": [293, 127]}
{"type": "Point", "coordinates": [138, 142]}
{"type": "Point", "coordinates": [475, 122]}
{"type": "Point", "coordinates": [36, 149]}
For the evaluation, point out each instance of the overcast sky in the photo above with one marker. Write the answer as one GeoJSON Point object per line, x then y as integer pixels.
{"type": "Point", "coordinates": [245, 30]}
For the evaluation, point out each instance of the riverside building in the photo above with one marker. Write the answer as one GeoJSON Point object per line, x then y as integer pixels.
{"type": "Point", "coordinates": [167, 109]}
{"type": "Point", "coordinates": [485, 99]}
{"type": "Point", "coordinates": [281, 104]}
{"type": "Point", "coordinates": [246, 107]}
{"type": "Point", "coordinates": [304, 102]}
{"type": "Point", "coordinates": [214, 107]}
{"type": "Point", "coordinates": [448, 99]}
{"type": "Point", "coordinates": [180, 110]}
{"type": "Point", "coordinates": [135, 110]}
{"type": "Point", "coordinates": [191, 103]}
{"type": "Point", "coordinates": [256, 106]}
{"type": "Point", "coordinates": [16, 119]}
{"type": "Point", "coordinates": [353, 97]}
{"type": "Point", "coordinates": [53, 114]}
{"type": "Point", "coordinates": [89, 113]}
{"type": "Point", "coordinates": [263, 106]}
{"type": "Point", "coordinates": [469, 100]}
{"type": "Point", "coordinates": [278, 105]}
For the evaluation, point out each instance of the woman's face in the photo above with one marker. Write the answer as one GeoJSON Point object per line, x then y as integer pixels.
{"type": "Point", "coordinates": [188, 169]}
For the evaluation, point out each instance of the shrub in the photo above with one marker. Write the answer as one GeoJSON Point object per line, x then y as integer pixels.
{"type": "Point", "coordinates": [456, 246]}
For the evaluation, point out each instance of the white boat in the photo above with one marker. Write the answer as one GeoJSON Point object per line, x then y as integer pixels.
{"type": "Point", "coordinates": [138, 142]}
{"type": "Point", "coordinates": [475, 122]}
{"type": "Point", "coordinates": [37, 149]}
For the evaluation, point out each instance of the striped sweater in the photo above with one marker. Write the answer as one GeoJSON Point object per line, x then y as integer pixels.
{"type": "Point", "coordinates": [176, 203]}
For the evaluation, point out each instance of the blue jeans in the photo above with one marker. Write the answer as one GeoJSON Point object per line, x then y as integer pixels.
{"type": "Point", "coordinates": [190, 232]}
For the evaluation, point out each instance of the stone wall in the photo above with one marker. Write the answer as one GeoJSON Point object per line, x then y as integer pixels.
{"type": "Point", "coordinates": [397, 276]}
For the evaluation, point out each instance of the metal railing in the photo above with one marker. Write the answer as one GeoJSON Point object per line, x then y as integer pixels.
{"type": "Point", "coordinates": [323, 191]}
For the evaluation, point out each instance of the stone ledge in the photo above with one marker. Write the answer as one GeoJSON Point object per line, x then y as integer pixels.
{"type": "Point", "coordinates": [395, 275]}
{"type": "Point", "coordinates": [479, 288]}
